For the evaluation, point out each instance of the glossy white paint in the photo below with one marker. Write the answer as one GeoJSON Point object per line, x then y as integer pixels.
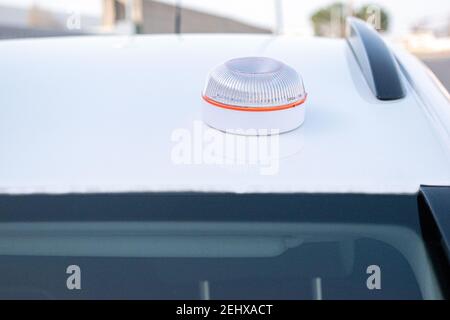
{"type": "Point", "coordinates": [99, 113]}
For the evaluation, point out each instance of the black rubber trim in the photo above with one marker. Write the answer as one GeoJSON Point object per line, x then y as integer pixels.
{"type": "Point", "coordinates": [434, 212]}
{"type": "Point", "coordinates": [211, 207]}
{"type": "Point", "coordinates": [376, 61]}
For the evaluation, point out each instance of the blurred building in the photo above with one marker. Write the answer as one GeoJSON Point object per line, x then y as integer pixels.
{"type": "Point", "coordinates": [35, 21]}
{"type": "Point", "coordinates": [429, 37]}
{"type": "Point", "coordinates": [118, 16]}
{"type": "Point", "coordinates": [148, 16]}
{"type": "Point", "coordinates": [426, 44]}
{"type": "Point", "coordinates": [439, 26]}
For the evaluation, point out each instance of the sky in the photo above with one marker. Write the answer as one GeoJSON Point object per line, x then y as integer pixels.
{"type": "Point", "coordinates": [295, 13]}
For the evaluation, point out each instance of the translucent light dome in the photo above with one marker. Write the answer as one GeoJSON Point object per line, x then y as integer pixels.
{"type": "Point", "coordinates": [254, 93]}
{"type": "Point", "coordinates": [254, 82]}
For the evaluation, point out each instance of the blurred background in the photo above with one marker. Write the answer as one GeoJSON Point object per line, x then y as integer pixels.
{"type": "Point", "coordinates": [421, 26]}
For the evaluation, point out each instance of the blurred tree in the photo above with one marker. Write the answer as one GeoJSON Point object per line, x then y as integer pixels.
{"type": "Point", "coordinates": [330, 20]}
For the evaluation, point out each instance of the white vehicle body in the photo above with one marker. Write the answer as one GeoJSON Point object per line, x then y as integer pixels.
{"type": "Point", "coordinates": [92, 130]}
{"type": "Point", "coordinates": [99, 114]}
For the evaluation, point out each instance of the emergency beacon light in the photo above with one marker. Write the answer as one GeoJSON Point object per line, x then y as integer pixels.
{"type": "Point", "coordinates": [254, 96]}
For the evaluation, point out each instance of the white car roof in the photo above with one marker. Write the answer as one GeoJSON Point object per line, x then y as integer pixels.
{"type": "Point", "coordinates": [102, 114]}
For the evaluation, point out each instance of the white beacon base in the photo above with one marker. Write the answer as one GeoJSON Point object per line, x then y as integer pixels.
{"type": "Point", "coordinates": [253, 123]}
{"type": "Point", "coordinates": [254, 96]}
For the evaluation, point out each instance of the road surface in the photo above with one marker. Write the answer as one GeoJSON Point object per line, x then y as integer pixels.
{"type": "Point", "coordinates": [441, 68]}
